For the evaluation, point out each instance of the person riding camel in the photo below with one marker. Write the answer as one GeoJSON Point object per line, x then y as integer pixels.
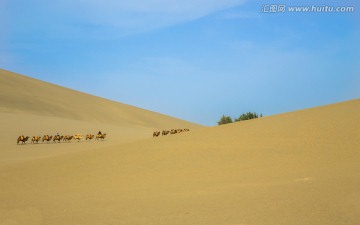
{"type": "Point", "coordinates": [99, 133]}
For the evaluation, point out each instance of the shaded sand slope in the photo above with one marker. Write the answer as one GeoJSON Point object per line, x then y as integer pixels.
{"type": "Point", "coordinates": [295, 168]}
{"type": "Point", "coordinates": [21, 94]}
{"type": "Point", "coordinates": [32, 107]}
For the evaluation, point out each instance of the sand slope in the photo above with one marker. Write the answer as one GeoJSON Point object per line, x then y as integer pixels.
{"type": "Point", "coordinates": [33, 107]}
{"type": "Point", "coordinates": [21, 94]}
{"type": "Point", "coordinates": [295, 168]}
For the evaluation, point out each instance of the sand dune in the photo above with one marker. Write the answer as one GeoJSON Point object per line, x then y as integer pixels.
{"type": "Point", "coordinates": [33, 107]}
{"type": "Point", "coordinates": [24, 95]}
{"type": "Point", "coordinates": [294, 168]}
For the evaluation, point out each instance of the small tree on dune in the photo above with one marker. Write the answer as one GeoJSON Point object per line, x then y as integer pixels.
{"type": "Point", "coordinates": [224, 120]}
{"type": "Point", "coordinates": [247, 116]}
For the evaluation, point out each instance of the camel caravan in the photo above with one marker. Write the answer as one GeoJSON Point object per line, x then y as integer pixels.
{"type": "Point", "coordinates": [60, 138]}
{"type": "Point", "coordinates": [166, 132]}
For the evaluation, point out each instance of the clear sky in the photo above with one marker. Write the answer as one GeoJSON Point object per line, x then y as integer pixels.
{"type": "Point", "coordinates": [191, 59]}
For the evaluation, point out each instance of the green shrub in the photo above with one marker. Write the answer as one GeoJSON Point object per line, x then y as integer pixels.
{"type": "Point", "coordinates": [247, 116]}
{"type": "Point", "coordinates": [224, 120]}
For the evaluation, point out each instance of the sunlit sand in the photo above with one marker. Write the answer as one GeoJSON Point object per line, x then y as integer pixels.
{"type": "Point", "coordinates": [294, 168]}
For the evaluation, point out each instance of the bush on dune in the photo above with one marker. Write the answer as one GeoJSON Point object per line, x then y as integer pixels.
{"type": "Point", "coordinates": [245, 116]}
{"type": "Point", "coordinates": [248, 116]}
{"type": "Point", "coordinates": [224, 120]}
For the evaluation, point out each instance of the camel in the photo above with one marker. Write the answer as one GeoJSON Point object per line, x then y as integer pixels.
{"type": "Point", "coordinates": [156, 133]}
{"type": "Point", "coordinates": [58, 138]}
{"type": "Point", "coordinates": [100, 136]}
{"type": "Point", "coordinates": [90, 136]}
{"type": "Point", "coordinates": [78, 137]}
{"type": "Point", "coordinates": [23, 139]}
{"type": "Point", "coordinates": [165, 132]}
{"type": "Point", "coordinates": [68, 138]}
{"type": "Point", "coordinates": [46, 138]}
{"type": "Point", "coordinates": [35, 139]}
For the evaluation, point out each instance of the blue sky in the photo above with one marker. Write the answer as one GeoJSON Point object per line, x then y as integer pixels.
{"type": "Point", "coordinates": [194, 60]}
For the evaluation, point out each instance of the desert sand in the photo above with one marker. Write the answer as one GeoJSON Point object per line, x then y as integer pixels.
{"type": "Point", "coordinates": [35, 108]}
{"type": "Point", "coordinates": [294, 168]}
